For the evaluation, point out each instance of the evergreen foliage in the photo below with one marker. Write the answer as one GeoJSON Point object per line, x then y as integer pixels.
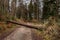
{"type": "Point", "coordinates": [30, 6]}
{"type": "Point", "coordinates": [49, 9]}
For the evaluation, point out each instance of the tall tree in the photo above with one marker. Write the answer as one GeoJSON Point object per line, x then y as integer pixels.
{"type": "Point", "coordinates": [18, 12]}
{"type": "Point", "coordinates": [22, 8]}
{"type": "Point", "coordinates": [4, 6]}
{"type": "Point", "coordinates": [49, 8]}
{"type": "Point", "coordinates": [13, 9]}
{"type": "Point", "coordinates": [36, 9]}
{"type": "Point", "coordinates": [30, 7]}
{"type": "Point", "coordinates": [58, 8]}
{"type": "Point", "coordinates": [25, 12]}
{"type": "Point", "coordinates": [1, 8]}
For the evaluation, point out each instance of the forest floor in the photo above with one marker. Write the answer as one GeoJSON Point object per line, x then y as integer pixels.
{"type": "Point", "coordinates": [5, 29]}
{"type": "Point", "coordinates": [23, 33]}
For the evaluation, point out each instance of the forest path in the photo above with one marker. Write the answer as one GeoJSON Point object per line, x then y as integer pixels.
{"type": "Point", "coordinates": [23, 33]}
{"type": "Point", "coordinates": [20, 34]}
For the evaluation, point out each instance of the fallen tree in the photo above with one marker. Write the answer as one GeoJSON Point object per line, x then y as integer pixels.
{"type": "Point", "coordinates": [26, 25]}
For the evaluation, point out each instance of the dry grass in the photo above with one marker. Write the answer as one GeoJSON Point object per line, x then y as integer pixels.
{"type": "Point", "coordinates": [51, 31]}
{"type": "Point", "coordinates": [5, 27]}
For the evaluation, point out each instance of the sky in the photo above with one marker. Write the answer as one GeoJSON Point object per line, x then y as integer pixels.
{"type": "Point", "coordinates": [10, 2]}
{"type": "Point", "coordinates": [26, 1]}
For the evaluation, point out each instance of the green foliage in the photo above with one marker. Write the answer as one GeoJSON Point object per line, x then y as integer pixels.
{"type": "Point", "coordinates": [49, 9]}
{"type": "Point", "coordinates": [30, 6]}
{"type": "Point", "coordinates": [18, 13]}
{"type": "Point", "coordinates": [35, 9]}
{"type": "Point", "coordinates": [3, 11]}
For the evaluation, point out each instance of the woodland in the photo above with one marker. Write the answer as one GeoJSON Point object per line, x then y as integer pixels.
{"type": "Point", "coordinates": [36, 12]}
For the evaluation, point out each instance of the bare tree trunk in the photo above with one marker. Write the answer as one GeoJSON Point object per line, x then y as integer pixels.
{"type": "Point", "coordinates": [21, 6]}
{"type": "Point", "coordinates": [6, 8]}
{"type": "Point", "coordinates": [13, 8]}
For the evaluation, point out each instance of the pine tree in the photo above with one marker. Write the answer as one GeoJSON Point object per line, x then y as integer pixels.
{"type": "Point", "coordinates": [49, 8]}
{"type": "Point", "coordinates": [36, 9]}
{"type": "Point", "coordinates": [18, 12]}
{"type": "Point", "coordinates": [30, 7]}
{"type": "Point", "coordinates": [13, 9]}
{"type": "Point", "coordinates": [58, 8]}
{"type": "Point", "coordinates": [4, 6]}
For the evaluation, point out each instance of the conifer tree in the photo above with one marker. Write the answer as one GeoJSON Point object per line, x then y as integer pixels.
{"type": "Point", "coordinates": [49, 8]}
{"type": "Point", "coordinates": [30, 8]}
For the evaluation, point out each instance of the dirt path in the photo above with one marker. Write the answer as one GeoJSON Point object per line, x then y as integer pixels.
{"type": "Point", "coordinates": [20, 34]}
{"type": "Point", "coordinates": [23, 33]}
